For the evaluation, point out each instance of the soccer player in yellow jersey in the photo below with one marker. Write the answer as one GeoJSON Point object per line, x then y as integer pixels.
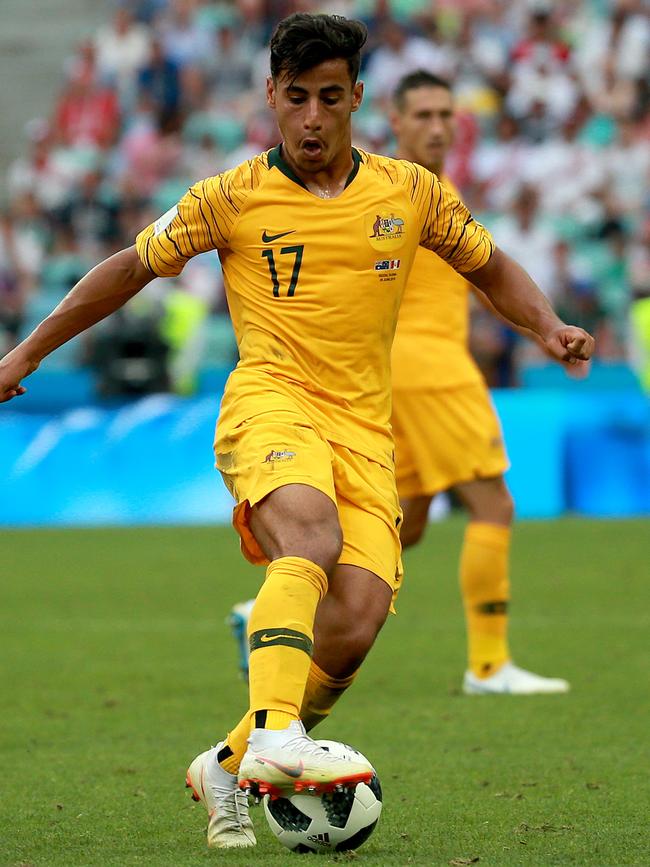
{"type": "Point", "coordinates": [447, 434]}
{"type": "Point", "coordinates": [316, 240]}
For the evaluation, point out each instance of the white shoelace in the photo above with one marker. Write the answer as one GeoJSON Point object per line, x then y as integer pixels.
{"type": "Point", "coordinates": [231, 805]}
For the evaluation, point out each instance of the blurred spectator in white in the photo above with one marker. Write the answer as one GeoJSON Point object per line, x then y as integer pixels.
{"type": "Point", "coordinates": [22, 248]}
{"type": "Point", "coordinates": [498, 165]}
{"type": "Point", "coordinates": [398, 54]}
{"type": "Point", "coordinates": [122, 49]}
{"type": "Point", "coordinates": [616, 95]}
{"type": "Point", "coordinates": [229, 66]}
{"type": "Point", "coordinates": [185, 42]}
{"type": "Point", "coordinates": [254, 24]}
{"type": "Point", "coordinates": [567, 172]}
{"type": "Point", "coordinates": [489, 42]}
{"type": "Point", "coordinates": [44, 171]}
{"type": "Point", "coordinates": [523, 235]}
{"type": "Point", "coordinates": [626, 165]}
{"type": "Point", "coordinates": [202, 158]}
{"type": "Point", "coordinates": [576, 292]}
{"type": "Point", "coordinates": [541, 70]}
{"type": "Point", "coordinates": [619, 42]}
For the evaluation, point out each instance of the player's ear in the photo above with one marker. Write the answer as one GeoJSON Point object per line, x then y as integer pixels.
{"type": "Point", "coordinates": [270, 92]}
{"type": "Point", "coordinates": [357, 95]}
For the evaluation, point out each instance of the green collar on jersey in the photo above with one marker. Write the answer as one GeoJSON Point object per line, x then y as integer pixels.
{"type": "Point", "coordinates": [277, 160]}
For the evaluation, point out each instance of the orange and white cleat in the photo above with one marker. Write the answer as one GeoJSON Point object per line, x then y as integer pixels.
{"type": "Point", "coordinates": [229, 825]}
{"type": "Point", "coordinates": [279, 763]}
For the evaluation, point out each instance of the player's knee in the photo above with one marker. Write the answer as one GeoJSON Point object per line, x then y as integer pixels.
{"type": "Point", "coordinates": [321, 542]}
{"type": "Point", "coordinates": [504, 505]}
{"type": "Point", "coordinates": [488, 500]}
{"type": "Point", "coordinates": [412, 530]}
{"type": "Point", "coordinates": [326, 549]}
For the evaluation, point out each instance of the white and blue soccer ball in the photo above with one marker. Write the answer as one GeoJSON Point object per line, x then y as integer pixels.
{"type": "Point", "coordinates": [327, 823]}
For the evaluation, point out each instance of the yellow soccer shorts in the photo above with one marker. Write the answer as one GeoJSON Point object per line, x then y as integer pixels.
{"type": "Point", "coordinates": [445, 437]}
{"type": "Point", "coordinates": [278, 448]}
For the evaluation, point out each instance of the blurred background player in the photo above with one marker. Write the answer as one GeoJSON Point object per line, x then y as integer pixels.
{"type": "Point", "coordinates": [447, 434]}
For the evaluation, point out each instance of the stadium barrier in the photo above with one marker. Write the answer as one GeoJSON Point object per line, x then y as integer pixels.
{"type": "Point", "coordinates": [150, 462]}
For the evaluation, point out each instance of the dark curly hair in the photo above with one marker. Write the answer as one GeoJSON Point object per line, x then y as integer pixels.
{"type": "Point", "coordinates": [302, 41]}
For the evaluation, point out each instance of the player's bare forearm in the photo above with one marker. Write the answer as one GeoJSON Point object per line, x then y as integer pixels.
{"type": "Point", "coordinates": [101, 292]}
{"type": "Point", "coordinates": [514, 294]}
{"type": "Point", "coordinates": [516, 297]}
{"type": "Point", "coordinates": [485, 301]}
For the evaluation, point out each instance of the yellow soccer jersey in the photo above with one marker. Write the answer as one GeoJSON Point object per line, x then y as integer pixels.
{"type": "Point", "coordinates": [314, 285]}
{"type": "Point", "coordinates": [430, 349]}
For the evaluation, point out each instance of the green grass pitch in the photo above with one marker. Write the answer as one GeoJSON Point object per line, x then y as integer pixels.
{"type": "Point", "coordinates": [117, 668]}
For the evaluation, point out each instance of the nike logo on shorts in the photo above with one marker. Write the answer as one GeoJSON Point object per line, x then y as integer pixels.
{"type": "Point", "coordinates": [266, 238]}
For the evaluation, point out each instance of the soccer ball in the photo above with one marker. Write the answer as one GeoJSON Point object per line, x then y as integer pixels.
{"type": "Point", "coordinates": [327, 823]}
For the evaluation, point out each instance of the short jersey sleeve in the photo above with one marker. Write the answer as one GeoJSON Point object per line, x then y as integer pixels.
{"type": "Point", "coordinates": [448, 228]}
{"type": "Point", "coordinates": [201, 221]}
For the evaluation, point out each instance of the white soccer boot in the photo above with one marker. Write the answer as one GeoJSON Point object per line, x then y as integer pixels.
{"type": "Point", "coordinates": [229, 826]}
{"type": "Point", "coordinates": [278, 763]}
{"type": "Point", "coordinates": [511, 680]}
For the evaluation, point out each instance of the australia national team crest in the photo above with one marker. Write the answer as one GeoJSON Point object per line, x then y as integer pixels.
{"type": "Point", "coordinates": [279, 456]}
{"type": "Point", "coordinates": [386, 231]}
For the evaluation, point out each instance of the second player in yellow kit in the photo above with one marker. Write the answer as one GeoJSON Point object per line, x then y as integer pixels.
{"type": "Point", "coordinates": [436, 381]}
{"type": "Point", "coordinates": [447, 434]}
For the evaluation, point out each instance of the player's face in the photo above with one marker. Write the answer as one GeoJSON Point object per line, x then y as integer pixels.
{"type": "Point", "coordinates": [313, 113]}
{"type": "Point", "coordinates": [424, 128]}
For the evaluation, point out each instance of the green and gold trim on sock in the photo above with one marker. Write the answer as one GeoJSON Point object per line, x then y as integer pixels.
{"type": "Point", "coordinates": [499, 607]}
{"type": "Point", "coordinates": [286, 637]}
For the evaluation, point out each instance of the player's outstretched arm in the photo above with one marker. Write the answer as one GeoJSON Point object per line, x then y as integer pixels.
{"type": "Point", "coordinates": [516, 296]}
{"type": "Point", "coordinates": [101, 292]}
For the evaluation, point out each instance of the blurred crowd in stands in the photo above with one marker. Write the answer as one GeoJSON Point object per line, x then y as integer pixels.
{"type": "Point", "coordinates": [552, 153]}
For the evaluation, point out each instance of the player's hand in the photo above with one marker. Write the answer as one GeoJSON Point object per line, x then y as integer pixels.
{"type": "Point", "coordinates": [570, 345]}
{"type": "Point", "coordinates": [577, 369]}
{"type": "Point", "coordinates": [13, 369]}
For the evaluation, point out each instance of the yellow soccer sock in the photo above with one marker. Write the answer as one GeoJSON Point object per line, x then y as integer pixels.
{"type": "Point", "coordinates": [232, 752]}
{"type": "Point", "coordinates": [281, 633]}
{"type": "Point", "coordinates": [321, 694]}
{"type": "Point", "coordinates": [485, 585]}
